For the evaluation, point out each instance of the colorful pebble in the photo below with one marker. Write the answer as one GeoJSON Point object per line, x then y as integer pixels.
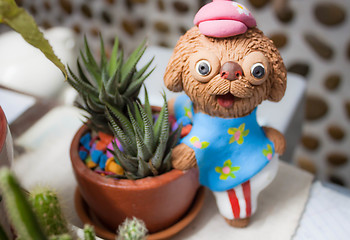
{"type": "Point", "coordinates": [110, 147]}
{"type": "Point", "coordinates": [96, 155]}
{"type": "Point", "coordinates": [105, 139]}
{"type": "Point", "coordinates": [83, 154]}
{"type": "Point", "coordinates": [102, 162]}
{"type": "Point", "coordinates": [85, 141]}
{"type": "Point", "coordinates": [172, 120]}
{"type": "Point", "coordinates": [186, 130]}
{"type": "Point", "coordinates": [93, 141]}
{"type": "Point", "coordinates": [93, 150]}
{"type": "Point", "coordinates": [89, 163]}
{"type": "Point", "coordinates": [112, 166]}
{"type": "Point", "coordinates": [174, 126]}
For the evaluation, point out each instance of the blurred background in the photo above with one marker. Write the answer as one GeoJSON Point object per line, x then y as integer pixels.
{"type": "Point", "coordinates": [313, 37]}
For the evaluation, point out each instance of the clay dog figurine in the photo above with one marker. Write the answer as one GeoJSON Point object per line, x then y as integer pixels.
{"type": "Point", "coordinates": [227, 67]}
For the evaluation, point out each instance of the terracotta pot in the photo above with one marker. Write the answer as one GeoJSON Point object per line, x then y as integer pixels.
{"type": "Point", "coordinates": [159, 201]}
{"type": "Point", "coordinates": [6, 156]}
{"type": "Point", "coordinates": [6, 146]}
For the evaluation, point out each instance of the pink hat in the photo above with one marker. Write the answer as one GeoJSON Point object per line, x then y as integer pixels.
{"type": "Point", "coordinates": [223, 18]}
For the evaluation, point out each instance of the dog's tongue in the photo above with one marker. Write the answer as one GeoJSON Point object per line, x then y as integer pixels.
{"type": "Point", "coordinates": [226, 101]}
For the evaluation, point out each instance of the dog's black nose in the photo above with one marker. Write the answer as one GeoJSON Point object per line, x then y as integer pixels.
{"type": "Point", "coordinates": [231, 71]}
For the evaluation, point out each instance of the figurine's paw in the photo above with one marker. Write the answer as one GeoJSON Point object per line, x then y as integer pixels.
{"type": "Point", "coordinates": [171, 104]}
{"type": "Point", "coordinates": [238, 223]}
{"type": "Point", "coordinates": [183, 157]}
{"type": "Point", "coordinates": [277, 138]}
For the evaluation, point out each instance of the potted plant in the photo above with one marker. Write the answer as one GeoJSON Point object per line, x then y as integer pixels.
{"type": "Point", "coordinates": [140, 181]}
{"type": "Point", "coordinates": [6, 151]}
{"type": "Point", "coordinates": [132, 229]}
{"type": "Point", "coordinates": [35, 215]}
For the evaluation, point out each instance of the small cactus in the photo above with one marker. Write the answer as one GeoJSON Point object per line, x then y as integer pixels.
{"type": "Point", "coordinates": [19, 209]}
{"type": "Point", "coordinates": [89, 232]}
{"type": "Point", "coordinates": [45, 222]}
{"type": "Point", "coordinates": [132, 229]}
{"type": "Point", "coordinates": [47, 207]}
{"type": "Point", "coordinates": [64, 236]}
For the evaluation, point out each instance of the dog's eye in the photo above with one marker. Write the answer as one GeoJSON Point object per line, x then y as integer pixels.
{"type": "Point", "coordinates": [258, 70]}
{"type": "Point", "coordinates": [203, 67]}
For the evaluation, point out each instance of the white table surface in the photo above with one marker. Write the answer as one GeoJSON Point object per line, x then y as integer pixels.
{"type": "Point", "coordinates": [281, 204]}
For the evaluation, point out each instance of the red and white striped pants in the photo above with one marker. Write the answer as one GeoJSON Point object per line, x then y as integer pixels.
{"type": "Point", "coordinates": [241, 201]}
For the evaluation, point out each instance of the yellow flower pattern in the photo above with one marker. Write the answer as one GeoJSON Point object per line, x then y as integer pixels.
{"type": "Point", "coordinates": [238, 134]}
{"type": "Point", "coordinates": [227, 170]}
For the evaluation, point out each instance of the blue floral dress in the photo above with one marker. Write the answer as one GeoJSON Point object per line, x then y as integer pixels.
{"type": "Point", "coordinates": [229, 151]}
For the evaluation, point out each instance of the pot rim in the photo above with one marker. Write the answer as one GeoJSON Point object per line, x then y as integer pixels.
{"type": "Point", "coordinates": [3, 128]}
{"type": "Point", "coordinates": [142, 184]}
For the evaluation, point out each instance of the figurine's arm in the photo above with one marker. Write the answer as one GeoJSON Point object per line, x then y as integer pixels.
{"type": "Point", "coordinates": [171, 104]}
{"type": "Point", "coordinates": [183, 157]}
{"type": "Point", "coordinates": [277, 138]}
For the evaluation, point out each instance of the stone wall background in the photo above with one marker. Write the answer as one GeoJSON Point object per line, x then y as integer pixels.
{"type": "Point", "coordinates": [313, 37]}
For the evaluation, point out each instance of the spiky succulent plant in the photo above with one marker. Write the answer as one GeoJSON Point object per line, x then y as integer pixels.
{"type": "Point", "coordinates": [38, 217]}
{"type": "Point", "coordinates": [147, 144]}
{"type": "Point", "coordinates": [132, 229]}
{"type": "Point", "coordinates": [113, 81]}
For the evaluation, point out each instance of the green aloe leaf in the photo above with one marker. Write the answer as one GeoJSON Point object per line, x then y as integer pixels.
{"type": "Point", "coordinates": [90, 63]}
{"type": "Point", "coordinates": [123, 159]}
{"type": "Point", "coordinates": [112, 65]}
{"type": "Point", "coordinates": [148, 130]}
{"type": "Point", "coordinates": [138, 118]}
{"type": "Point", "coordinates": [173, 138]}
{"type": "Point", "coordinates": [93, 103]}
{"type": "Point", "coordinates": [143, 169]}
{"type": "Point", "coordinates": [163, 137]}
{"type": "Point", "coordinates": [142, 151]}
{"type": "Point", "coordinates": [23, 23]}
{"type": "Point", "coordinates": [103, 95]}
{"type": "Point", "coordinates": [157, 158]}
{"type": "Point", "coordinates": [126, 142]}
{"type": "Point", "coordinates": [104, 76]}
{"type": "Point", "coordinates": [164, 128]}
{"type": "Point", "coordinates": [135, 86]}
{"type": "Point", "coordinates": [136, 127]}
{"type": "Point", "coordinates": [130, 64]}
{"type": "Point", "coordinates": [131, 175]}
{"type": "Point", "coordinates": [143, 69]}
{"type": "Point", "coordinates": [157, 126]}
{"type": "Point", "coordinates": [83, 86]}
{"type": "Point", "coordinates": [148, 108]}
{"type": "Point", "coordinates": [119, 67]}
{"type": "Point", "coordinates": [103, 61]}
{"type": "Point", "coordinates": [81, 73]}
{"type": "Point", "coordinates": [166, 165]}
{"type": "Point", "coordinates": [125, 123]}
{"type": "Point", "coordinates": [112, 83]}
{"type": "Point", "coordinates": [125, 82]}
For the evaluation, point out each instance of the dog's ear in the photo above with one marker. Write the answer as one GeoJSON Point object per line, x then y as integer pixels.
{"type": "Point", "coordinates": [183, 49]}
{"type": "Point", "coordinates": [173, 71]}
{"type": "Point", "coordinates": [279, 76]}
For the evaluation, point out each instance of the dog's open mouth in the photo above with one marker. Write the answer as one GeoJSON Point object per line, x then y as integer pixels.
{"type": "Point", "coordinates": [226, 100]}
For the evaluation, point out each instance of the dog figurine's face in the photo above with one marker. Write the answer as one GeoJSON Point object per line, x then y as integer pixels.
{"type": "Point", "coordinates": [226, 77]}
